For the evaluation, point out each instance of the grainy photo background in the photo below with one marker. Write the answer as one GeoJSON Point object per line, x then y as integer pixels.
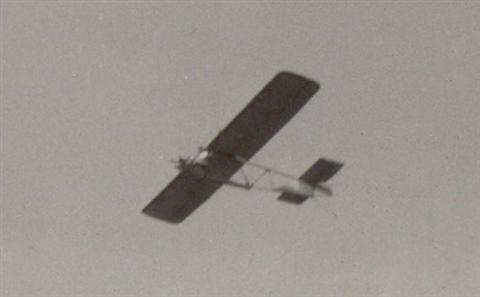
{"type": "Point", "coordinates": [96, 97]}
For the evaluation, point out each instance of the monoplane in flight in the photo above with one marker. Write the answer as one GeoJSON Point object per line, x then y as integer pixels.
{"type": "Point", "coordinates": [230, 152]}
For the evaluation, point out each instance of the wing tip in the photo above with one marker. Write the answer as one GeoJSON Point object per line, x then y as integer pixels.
{"type": "Point", "coordinates": [156, 215]}
{"type": "Point", "coordinates": [289, 74]}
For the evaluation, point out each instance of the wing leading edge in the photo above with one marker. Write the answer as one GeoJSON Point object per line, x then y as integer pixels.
{"type": "Point", "coordinates": [251, 129]}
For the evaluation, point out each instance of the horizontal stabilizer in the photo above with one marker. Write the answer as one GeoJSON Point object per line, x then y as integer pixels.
{"type": "Point", "coordinates": [292, 198]}
{"type": "Point", "coordinates": [321, 171]}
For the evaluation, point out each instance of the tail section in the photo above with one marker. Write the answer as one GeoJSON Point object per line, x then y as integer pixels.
{"type": "Point", "coordinates": [321, 171]}
{"type": "Point", "coordinates": [292, 198]}
{"type": "Point", "coordinates": [315, 176]}
{"type": "Point", "coordinates": [324, 189]}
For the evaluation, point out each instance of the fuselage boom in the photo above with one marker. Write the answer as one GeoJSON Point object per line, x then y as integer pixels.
{"type": "Point", "coordinates": [198, 165]}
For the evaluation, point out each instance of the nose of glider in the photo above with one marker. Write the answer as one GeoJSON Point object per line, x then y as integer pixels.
{"type": "Point", "coordinates": [180, 163]}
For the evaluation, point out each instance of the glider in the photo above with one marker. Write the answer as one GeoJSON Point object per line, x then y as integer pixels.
{"type": "Point", "coordinates": [230, 152]}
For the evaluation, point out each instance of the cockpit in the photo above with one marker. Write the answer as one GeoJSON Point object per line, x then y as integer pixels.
{"type": "Point", "coordinates": [200, 159]}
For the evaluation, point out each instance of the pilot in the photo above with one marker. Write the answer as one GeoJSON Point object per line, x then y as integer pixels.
{"type": "Point", "coordinates": [202, 157]}
{"type": "Point", "coordinates": [197, 164]}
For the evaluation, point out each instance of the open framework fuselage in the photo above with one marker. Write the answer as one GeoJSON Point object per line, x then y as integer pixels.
{"type": "Point", "coordinates": [277, 181]}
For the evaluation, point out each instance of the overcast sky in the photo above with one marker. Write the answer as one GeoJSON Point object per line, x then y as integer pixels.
{"type": "Point", "coordinates": [97, 97]}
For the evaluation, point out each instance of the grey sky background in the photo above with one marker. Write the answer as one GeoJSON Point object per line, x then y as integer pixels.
{"type": "Point", "coordinates": [96, 98]}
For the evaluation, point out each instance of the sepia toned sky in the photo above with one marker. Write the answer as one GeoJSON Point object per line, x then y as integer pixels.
{"type": "Point", "coordinates": [97, 97]}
